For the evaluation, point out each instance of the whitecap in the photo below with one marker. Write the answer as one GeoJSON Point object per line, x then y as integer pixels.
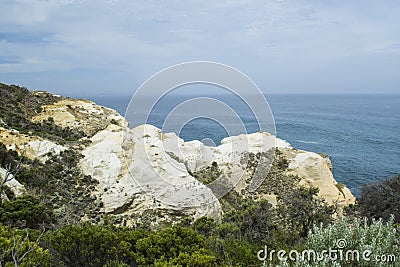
{"type": "Point", "coordinates": [307, 142]}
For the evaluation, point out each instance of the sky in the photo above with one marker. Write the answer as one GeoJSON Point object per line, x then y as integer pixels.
{"type": "Point", "coordinates": [110, 47]}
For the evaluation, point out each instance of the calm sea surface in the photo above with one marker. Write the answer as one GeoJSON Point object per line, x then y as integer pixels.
{"type": "Point", "coordinates": [360, 133]}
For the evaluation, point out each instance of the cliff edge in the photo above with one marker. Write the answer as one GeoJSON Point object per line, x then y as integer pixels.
{"type": "Point", "coordinates": [139, 174]}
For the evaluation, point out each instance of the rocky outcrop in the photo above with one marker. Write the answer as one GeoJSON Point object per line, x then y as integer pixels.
{"type": "Point", "coordinates": [31, 146]}
{"type": "Point", "coordinates": [11, 183]}
{"type": "Point", "coordinates": [314, 170]}
{"type": "Point", "coordinates": [83, 115]}
{"type": "Point", "coordinates": [136, 175]}
{"type": "Point", "coordinates": [143, 171]}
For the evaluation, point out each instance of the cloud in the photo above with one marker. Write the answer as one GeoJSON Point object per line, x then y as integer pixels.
{"type": "Point", "coordinates": [8, 60]}
{"type": "Point", "coordinates": [130, 40]}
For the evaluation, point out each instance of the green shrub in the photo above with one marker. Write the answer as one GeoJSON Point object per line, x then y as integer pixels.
{"type": "Point", "coordinates": [381, 199]}
{"type": "Point", "coordinates": [300, 209]}
{"type": "Point", "coordinates": [25, 211]}
{"type": "Point", "coordinates": [256, 221]}
{"type": "Point", "coordinates": [170, 245]}
{"type": "Point", "coordinates": [199, 258]}
{"type": "Point", "coordinates": [21, 248]}
{"type": "Point", "coordinates": [115, 263]}
{"type": "Point", "coordinates": [208, 174]}
{"type": "Point", "coordinates": [93, 245]}
{"type": "Point", "coordinates": [350, 240]}
{"type": "Point", "coordinates": [233, 252]}
{"type": "Point", "coordinates": [204, 226]}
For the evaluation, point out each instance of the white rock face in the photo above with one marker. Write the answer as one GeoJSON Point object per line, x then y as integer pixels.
{"type": "Point", "coordinates": [17, 188]}
{"type": "Point", "coordinates": [313, 169]}
{"type": "Point", "coordinates": [33, 147]}
{"type": "Point", "coordinates": [144, 169]}
{"type": "Point", "coordinates": [135, 175]}
{"type": "Point", "coordinates": [316, 170]}
{"type": "Point", "coordinates": [41, 148]}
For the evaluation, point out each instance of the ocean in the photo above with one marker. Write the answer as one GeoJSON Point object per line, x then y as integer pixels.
{"type": "Point", "coordinates": [360, 133]}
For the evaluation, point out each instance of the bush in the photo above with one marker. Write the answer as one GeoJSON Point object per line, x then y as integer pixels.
{"type": "Point", "coordinates": [25, 211]}
{"type": "Point", "coordinates": [300, 209]}
{"type": "Point", "coordinates": [256, 221]}
{"type": "Point", "coordinates": [93, 245]}
{"type": "Point", "coordinates": [243, 230]}
{"type": "Point", "coordinates": [174, 244]}
{"type": "Point", "coordinates": [381, 199]}
{"type": "Point", "coordinates": [233, 252]}
{"type": "Point", "coordinates": [348, 240]}
{"type": "Point", "coordinates": [21, 248]}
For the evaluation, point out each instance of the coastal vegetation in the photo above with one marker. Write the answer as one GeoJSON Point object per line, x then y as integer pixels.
{"type": "Point", "coordinates": [381, 199]}
{"type": "Point", "coordinates": [58, 222]}
{"type": "Point", "coordinates": [233, 242]}
{"type": "Point", "coordinates": [18, 105]}
{"type": "Point", "coordinates": [59, 184]}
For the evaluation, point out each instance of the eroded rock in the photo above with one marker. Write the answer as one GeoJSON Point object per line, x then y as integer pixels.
{"type": "Point", "coordinates": [16, 187]}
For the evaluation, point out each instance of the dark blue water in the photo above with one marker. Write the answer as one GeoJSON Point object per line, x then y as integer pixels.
{"type": "Point", "coordinates": [360, 133]}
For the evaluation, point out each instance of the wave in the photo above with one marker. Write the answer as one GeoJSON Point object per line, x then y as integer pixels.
{"type": "Point", "coordinates": [308, 142]}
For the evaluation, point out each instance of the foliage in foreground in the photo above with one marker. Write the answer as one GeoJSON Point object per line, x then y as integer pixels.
{"type": "Point", "coordinates": [21, 248]}
{"type": "Point", "coordinates": [354, 243]}
{"type": "Point", "coordinates": [201, 243]}
{"type": "Point", "coordinates": [233, 242]}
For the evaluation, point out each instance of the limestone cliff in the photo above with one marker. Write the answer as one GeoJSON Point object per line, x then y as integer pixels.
{"type": "Point", "coordinates": [142, 173]}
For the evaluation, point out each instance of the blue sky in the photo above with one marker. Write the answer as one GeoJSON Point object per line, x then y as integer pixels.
{"type": "Point", "coordinates": [110, 47]}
